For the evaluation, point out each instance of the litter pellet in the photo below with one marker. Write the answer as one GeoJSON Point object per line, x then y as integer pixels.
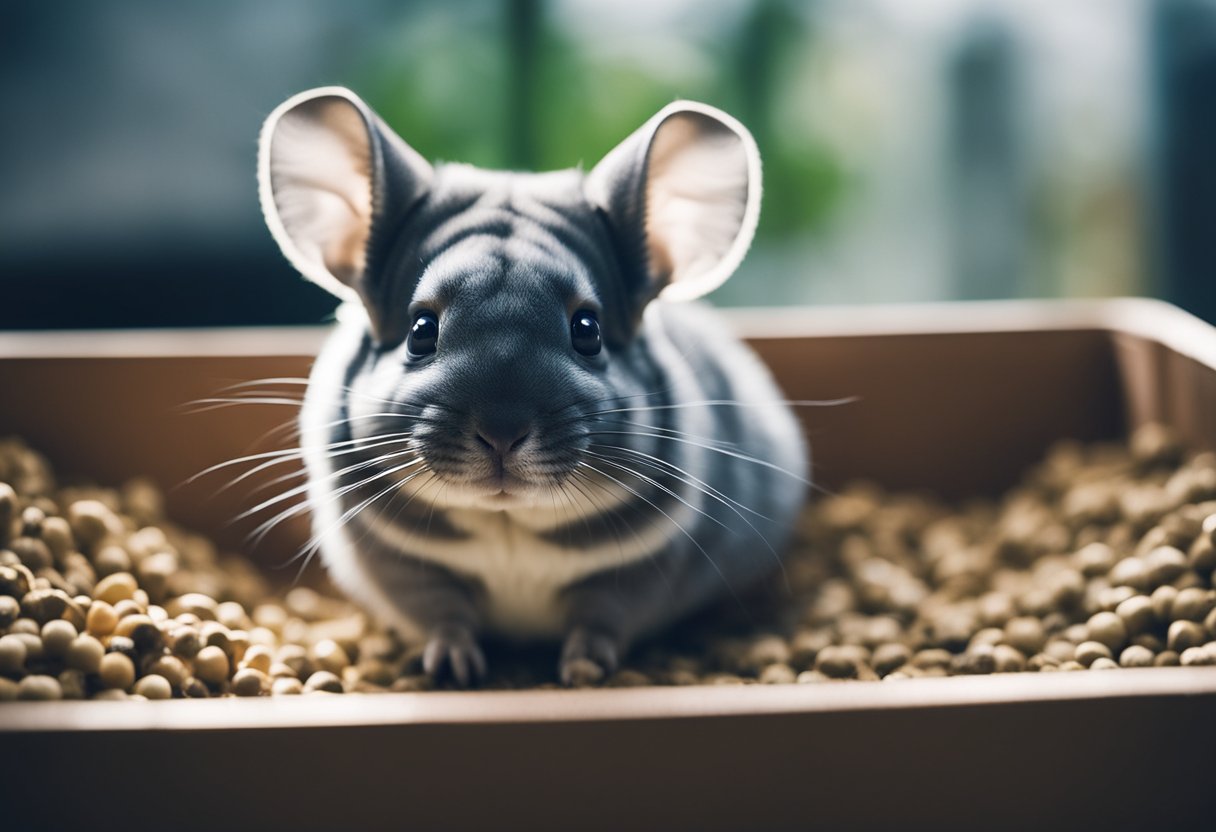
{"type": "Point", "coordinates": [1101, 557]}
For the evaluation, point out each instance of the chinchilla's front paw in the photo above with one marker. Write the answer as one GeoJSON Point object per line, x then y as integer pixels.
{"type": "Point", "coordinates": [452, 652]}
{"type": "Point", "coordinates": [588, 657]}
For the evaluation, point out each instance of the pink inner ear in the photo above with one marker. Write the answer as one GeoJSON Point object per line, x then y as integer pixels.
{"type": "Point", "coordinates": [318, 173]}
{"type": "Point", "coordinates": [702, 201]}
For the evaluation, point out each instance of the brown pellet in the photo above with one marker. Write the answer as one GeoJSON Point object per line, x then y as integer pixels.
{"type": "Point", "coordinates": [890, 657]}
{"type": "Point", "coordinates": [324, 681]}
{"type": "Point", "coordinates": [184, 641]}
{"type": "Point", "coordinates": [250, 682]}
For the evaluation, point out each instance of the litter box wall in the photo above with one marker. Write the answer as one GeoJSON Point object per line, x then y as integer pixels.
{"type": "Point", "coordinates": [955, 399]}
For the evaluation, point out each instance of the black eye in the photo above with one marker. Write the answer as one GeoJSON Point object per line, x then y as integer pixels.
{"type": "Point", "coordinates": [585, 332]}
{"type": "Point", "coordinates": [423, 334]}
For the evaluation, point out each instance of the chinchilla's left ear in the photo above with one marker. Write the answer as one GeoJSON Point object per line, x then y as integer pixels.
{"type": "Point", "coordinates": [331, 177]}
{"type": "Point", "coordinates": [682, 195]}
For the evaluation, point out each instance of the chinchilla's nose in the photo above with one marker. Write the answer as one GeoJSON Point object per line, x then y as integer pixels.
{"type": "Point", "coordinates": [503, 433]}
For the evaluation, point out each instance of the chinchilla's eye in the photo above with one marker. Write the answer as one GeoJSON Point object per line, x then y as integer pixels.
{"type": "Point", "coordinates": [423, 334]}
{"type": "Point", "coordinates": [585, 332]}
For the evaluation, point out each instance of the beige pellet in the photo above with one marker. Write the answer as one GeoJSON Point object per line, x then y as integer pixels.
{"type": "Point", "coordinates": [777, 673]}
{"type": "Point", "coordinates": [1089, 651]}
{"type": "Point", "coordinates": [211, 665]}
{"type": "Point", "coordinates": [1137, 614]}
{"type": "Point", "coordinates": [154, 687]}
{"type": "Point", "coordinates": [84, 654]}
{"type": "Point", "coordinates": [329, 655]}
{"type": "Point", "coordinates": [57, 636]}
{"type": "Point", "coordinates": [72, 684]}
{"type": "Point", "coordinates": [250, 682]}
{"type": "Point", "coordinates": [1184, 634]}
{"type": "Point", "coordinates": [1196, 656]}
{"type": "Point", "coordinates": [1193, 604]}
{"type": "Point", "coordinates": [324, 681]}
{"type": "Point", "coordinates": [232, 615]}
{"type": "Point", "coordinates": [1136, 656]}
{"type": "Point", "coordinates": [195, 603]}
{"type": "Point", "coordinates": [1163, 602]}
{"type": "Point", "coordinates": [39, 687]}
{"type": "Point", "coordinates": [1026, 634]}
{"type": "Point", "coordinates": [10, 611]}
{"type": "Point", "coordinates": [285, 686]}
{"type": "Point", "coordinates": [1166, 658]}
{"type": "Point", "coordinates": [890, 657]}
{"type": "Point", "coordinates": [117, 671]}
{"type": "Point", "coordinates": [120, 586]}
{"type": "Point", "coordinates": [1060, 649]}
{"type": "Point", "coordinates": [1095, 559]}
{"type": "Point", "coordinates": [101, 619]}
{"type": "Point", "coordinates": [184, 641]}
{"type": "Point", "coordinates": [1007, 659]}
{"type": "Point", "coordinates": [994, 584]}
{"type": "Point", "coordinates": [13, 653]}
{"type": "Point", "coordinates": [91, 521]}
{"type": "Point", "coordinates": [1108, 629]}
{"type": "Point", "coordinates": [173, 669]}
{"type": "Point", "coordinates": [259, 657]}
{"type": "Point", "coordinates": [32, 641]}
{"type": "Point", "coordinates": [1132, 572]}
{"type": "Point", "coordinates": [195, 689]}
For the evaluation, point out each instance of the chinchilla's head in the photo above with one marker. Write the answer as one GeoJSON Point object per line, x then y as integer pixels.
{"type": "Point", "coordinates": [501, 307]}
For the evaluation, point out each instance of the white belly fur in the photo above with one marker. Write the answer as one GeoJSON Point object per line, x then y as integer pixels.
{"type": "Point", "coordinates": [522, 573]}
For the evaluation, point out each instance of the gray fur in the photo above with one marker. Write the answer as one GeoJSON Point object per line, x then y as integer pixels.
{"type": "Point", "coordinates": [505, 259]}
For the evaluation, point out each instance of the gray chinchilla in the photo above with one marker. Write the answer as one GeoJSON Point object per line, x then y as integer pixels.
{"type": "Point", "coordinates": [520, 426]}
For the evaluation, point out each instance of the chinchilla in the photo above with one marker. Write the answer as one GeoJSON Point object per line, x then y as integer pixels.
{"type": "Point", "coordinates": [521, 426]}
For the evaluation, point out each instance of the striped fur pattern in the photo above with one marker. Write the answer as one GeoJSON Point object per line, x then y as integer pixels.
{"type": "Point", "coordinates": [648, 479]}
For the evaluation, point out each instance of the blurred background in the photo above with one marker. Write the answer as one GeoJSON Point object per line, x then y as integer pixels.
{"type": "Point", "coordinates": [918, 151]}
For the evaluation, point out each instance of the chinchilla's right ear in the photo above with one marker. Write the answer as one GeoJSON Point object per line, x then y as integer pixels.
{"type": "Point", "coordinates": [331, 176]}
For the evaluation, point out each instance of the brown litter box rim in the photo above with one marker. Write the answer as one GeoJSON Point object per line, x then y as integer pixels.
{"type": "Point", "coordinates": [605, 704]}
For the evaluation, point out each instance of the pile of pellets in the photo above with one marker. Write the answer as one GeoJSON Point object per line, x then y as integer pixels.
{"type": "Point", "coordinates": [1102, 558]}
